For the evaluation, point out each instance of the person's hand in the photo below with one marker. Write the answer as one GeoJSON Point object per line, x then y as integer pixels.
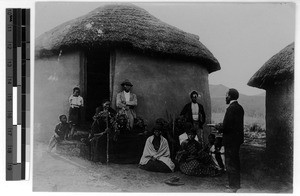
{"type": "Point", "coordinates": [189, 159]}
{"type": "Point", "coordinates": [107, 130]}
{"type": "Point", "coordinates": [219, 126]}
{"type": "Point", "coordinates": [92, 139]}
{"type": "Point", "coordinates": [153, 158]}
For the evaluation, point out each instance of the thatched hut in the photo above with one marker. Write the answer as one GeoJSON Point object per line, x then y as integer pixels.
{"type": "Point", "coordinates": [276, 76]}
{"type": "Point", "coordinates": [115, 42]}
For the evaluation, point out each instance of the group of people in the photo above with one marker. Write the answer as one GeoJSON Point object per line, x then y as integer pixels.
{"type": "Point", "coordinates": [193, 157]}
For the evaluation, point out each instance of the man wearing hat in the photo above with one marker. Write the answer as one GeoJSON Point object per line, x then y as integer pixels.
{"type": "Point", "coordinates": [126, 102]}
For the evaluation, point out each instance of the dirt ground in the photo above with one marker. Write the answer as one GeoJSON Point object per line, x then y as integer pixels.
{"type": "Point", "coordinates": [65, 173]}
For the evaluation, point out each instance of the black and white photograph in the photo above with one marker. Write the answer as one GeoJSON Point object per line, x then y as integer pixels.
{"type": "Point", "coordinates": [147, 97]}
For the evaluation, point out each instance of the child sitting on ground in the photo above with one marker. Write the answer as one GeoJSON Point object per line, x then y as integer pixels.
{"type": "Point", "coordinates": [211, 142]}
{"type": "Point", "coordinates": [60, 133]}
{"type": "Point", "coordinates": [217, 152]}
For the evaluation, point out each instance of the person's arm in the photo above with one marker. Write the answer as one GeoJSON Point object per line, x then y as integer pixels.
{"type": "Point", "coordinates": [222, 151]}
{"type": "Point", "coordinates": [81, 102]}
{"type": "Point", "coordinates": [120, 104]}
{"type": "Point", "coordinates": [166, 150]}
{"type": "Point", "coordinates": [228, 120]}
{"type": "Point", "coordinates": [56, 131]}
{"type": "Point", "coordinates": [133, 102]}
{"type": "Point", "coordinates": [183, 111]}
{"type": "Point", "coordinates": [70, 101]}
{"type": "Point", "coordinates": [203, 117]}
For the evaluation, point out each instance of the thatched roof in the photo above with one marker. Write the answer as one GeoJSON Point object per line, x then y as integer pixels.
{"type": "Point", "coordinates": [278, 69]}
{"type": "Point", "coordinates": [125, 25]}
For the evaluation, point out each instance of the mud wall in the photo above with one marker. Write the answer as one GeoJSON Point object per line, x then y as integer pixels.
{"type": "Point", "coordinates": [279, 124]}
{"type": "Point", "coordinates": [162, 85]}
{"type": "Point", "coordinates": [54, 79]}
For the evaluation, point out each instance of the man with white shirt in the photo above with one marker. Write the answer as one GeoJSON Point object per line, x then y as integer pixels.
{"type": "Point", "coordinates": [194, 113]}
{"type": "Point", "coordinates": [126, 102]}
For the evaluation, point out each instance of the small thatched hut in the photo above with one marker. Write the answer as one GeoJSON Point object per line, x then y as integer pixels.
{"type": "Point", "coordinates": [276, 76]}
{"type": "Point", "coordinates": [115, 42]}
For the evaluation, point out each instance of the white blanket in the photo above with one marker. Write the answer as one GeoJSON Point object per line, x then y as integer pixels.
{"type": "Point", "coordinates": [163, 153]}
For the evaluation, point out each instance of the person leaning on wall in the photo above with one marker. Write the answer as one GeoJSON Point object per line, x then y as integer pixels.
{"type": "Point", "coordinates": [126, 102]}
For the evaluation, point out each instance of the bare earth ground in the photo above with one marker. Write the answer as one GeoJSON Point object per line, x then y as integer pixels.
{"type": "Point", "coordinates": [66, 173]}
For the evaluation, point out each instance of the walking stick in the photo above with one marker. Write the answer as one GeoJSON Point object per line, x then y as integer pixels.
{"type": "Point", "coordinates": [173, 130]}
{"type": "Point", "coordinates": [107, 139]}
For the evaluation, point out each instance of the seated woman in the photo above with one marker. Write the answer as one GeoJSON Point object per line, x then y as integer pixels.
{"type": "Point", "coordinates": [103, 122]}
{"type": "Point", "coordinates": [193, 160]}
{"type": "Point", "coordinates": [156, 154]}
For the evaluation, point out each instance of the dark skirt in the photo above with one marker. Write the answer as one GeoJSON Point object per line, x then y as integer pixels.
{"type": "Point", "coordinates": [98, 149]}
{"type": "Point", "coordinates": [156, 166]}
{"type": "Point", "coordinates": [201, 166]}
{"type": "Point", "coordinates": [74, 116]}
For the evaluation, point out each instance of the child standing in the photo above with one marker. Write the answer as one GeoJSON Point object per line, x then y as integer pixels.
{"type": "Point", "coordinates": [76, 103]}
{"type": "Point", "coordinates": [60, 132]}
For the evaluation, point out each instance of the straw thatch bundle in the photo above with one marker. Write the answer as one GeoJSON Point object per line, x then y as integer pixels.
{"type": "Point", "coordinates": [278, 69]}
{"type": "Point", "coordinates": [125, 25]}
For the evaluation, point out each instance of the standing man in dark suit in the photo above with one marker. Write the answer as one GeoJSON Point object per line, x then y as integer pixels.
{"type": "Point", "coordinates": [233, 136]}
{"type": "Point", "coordinates": [194, 113]}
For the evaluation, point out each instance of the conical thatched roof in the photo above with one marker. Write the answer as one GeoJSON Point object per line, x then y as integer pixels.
{"type": "Point", "coordinates": [278, 69]}
{"type": "Point", "coordinates": [125, 25]}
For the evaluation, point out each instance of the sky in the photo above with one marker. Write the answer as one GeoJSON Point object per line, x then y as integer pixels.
{"type": "Point", "coordinates": [242, 36]}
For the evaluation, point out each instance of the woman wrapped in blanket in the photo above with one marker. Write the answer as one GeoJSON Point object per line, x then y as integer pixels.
{"type": "Point", "coordinates": [156, 154]}
{"type": "Point", "coordinates": [193, 160]}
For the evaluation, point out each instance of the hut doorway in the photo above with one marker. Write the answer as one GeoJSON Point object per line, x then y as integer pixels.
{"type": "Point", "coordinates": [97, 80]}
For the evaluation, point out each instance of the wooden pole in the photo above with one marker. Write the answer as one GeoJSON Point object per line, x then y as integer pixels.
{"type": "Point", "coordinates": [173, 130]}
{"type": "Point", "coordinates": [107, 138]}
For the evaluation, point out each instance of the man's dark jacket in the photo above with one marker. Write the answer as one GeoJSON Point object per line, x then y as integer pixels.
{"type": "Point", "coordinates": [187, 113]}
{"type": "Point", "coordinates": [233, 125]}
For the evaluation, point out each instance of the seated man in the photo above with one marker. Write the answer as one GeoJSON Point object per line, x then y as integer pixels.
{"type": "Point", "coordinates": [156, 154]}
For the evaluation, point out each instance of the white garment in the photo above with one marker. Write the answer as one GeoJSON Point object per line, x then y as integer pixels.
{"type": "Point", "coordinates": [75, 102]}
{"type": "Point", "coordinates": [213, 155]}
{"type": "Point", "coordinates": [127, 96]}
{"type": "Point", "coordinates": [163, 153]}
{"type": "Point", "coordinates": [195, 111]}
{"type": "Point", "coordinates": [232, 101]}
{"type": "Point", "coordinates": [184, 136]}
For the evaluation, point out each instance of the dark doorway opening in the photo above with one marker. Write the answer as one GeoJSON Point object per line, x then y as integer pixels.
{"type": "Point", "coordinates": [97, 81]}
